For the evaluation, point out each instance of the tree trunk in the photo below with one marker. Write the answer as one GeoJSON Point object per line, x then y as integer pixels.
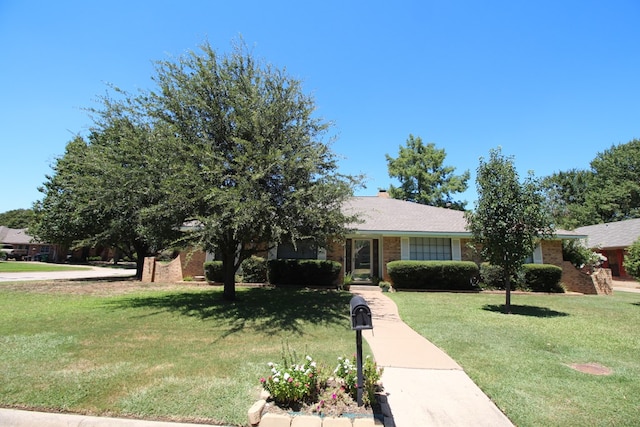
{"type": "Point", "coordinates": [507, 304]}
{"type": "Point", "coordinates": [229, 270]}
{"type": "Point", "coordinates": [142, 251]}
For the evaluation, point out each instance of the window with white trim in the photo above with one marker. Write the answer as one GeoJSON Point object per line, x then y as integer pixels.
{"type": "Point", "coordinates": [430, 249]}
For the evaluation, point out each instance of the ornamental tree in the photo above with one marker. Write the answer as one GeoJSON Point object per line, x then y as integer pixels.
{"type": "Point", "coordinates": [509, 218]}
{"type": "Point", "coordinates": [632, 260]}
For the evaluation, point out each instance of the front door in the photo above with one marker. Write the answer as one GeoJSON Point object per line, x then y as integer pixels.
{"type": "Point", "coordinates": [362, 265]}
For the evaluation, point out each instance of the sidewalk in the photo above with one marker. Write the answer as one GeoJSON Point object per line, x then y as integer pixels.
{"type": "Point", "coordinates": [425, 386]}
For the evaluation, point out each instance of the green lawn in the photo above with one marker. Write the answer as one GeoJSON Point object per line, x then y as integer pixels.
{"type": "Point", "coordinates": [29, 267]}
{"type": "Point", "coordinates": [171, 354]}
{"type": "Point", "coordinates": [521, 361]}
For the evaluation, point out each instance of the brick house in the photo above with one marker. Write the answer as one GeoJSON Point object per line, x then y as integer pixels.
{"type": "Point", "coordinates": [398, 230]}
{"type": "Point", "coordinates": [27, 247]}
{"type": "Point", "coordinates": [394, 230]}
{"type": "Point", "coordinates": [612, 240]}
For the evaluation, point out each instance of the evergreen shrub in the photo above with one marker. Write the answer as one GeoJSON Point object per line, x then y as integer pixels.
{"type": "Point", "coordinates": [442, 275]}
{"type": "Point", "coordinates": [303, 272]}
{"type": "Point", "coordinates": [543, 278]}
{"type": "Point", "coordinates": [213, 271]}
{"type": "Point", "coordinates": [254, 270]}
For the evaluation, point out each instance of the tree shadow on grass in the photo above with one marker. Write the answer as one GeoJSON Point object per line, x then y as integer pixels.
{"type": "Point", "coordinates": [265, 310]}
{"type": "Point", "coordinates": [526, 310]}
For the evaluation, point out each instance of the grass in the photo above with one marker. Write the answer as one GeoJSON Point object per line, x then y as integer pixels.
{"type": "Point", "coordinates": [160, 354]}
{"type": "Point", "coordinates": [521, 361]}
{"type": "Point", "coordinates": [30, 267]}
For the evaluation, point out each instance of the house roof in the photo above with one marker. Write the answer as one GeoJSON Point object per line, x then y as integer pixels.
{"type": "Point", "coordinates": [392, 216]}
{"type": "Point", "coordinates": [613, 234]}
{"type": "Point", "coordinates": [16, 236]}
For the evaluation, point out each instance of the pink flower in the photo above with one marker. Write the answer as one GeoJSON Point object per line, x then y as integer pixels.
{"type": "Point", "coordinates": [333, 396]}
{"type": "Point", "coordinates": [290, 380]}
{"type": "Point", "coordinates": [262, 380]}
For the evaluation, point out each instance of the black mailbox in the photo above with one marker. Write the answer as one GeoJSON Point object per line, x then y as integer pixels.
{"type": "Point", "coordinates": [360, 314]}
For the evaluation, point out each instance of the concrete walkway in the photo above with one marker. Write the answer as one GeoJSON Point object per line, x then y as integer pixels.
{"type": "Point", "coordinates": [425, 386]}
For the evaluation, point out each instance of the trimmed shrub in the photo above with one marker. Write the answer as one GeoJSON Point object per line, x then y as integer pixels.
{"type": "Point", "coordinates": [254, 270]}
{"type": "Point", "coordinates": [543, 278]}
{"type": "Point", "coordinates": [442, 275]}
{"type": "Point", "coordinates": [303, 272]}
{"type": "Point", "coordinates": [632, 260]}
{"type": "Point", "coordinates": [532, 277]}
{"type": "Point", "coordinates": [213, 271]}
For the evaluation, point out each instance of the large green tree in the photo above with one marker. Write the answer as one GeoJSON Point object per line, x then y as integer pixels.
{"type": "Point", "coordinates": [255, 168]}
{"type": "Point", "coordinates": [17, 218]}
{"type": "Point", "coordinates": [566, 194]}
{"type": "Point", "coordinates": [615, 191]}
{"type": "Point", "coordinates": [509, 218]}
{"type": "Point", "coordinates": [423, 177]}
{"type": "Point", "coordinates": [108, 189]}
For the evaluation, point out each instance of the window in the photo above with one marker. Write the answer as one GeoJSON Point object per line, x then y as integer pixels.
{"type": "Point", "coordinates": [305, 250]}
{"type": "Point", "coordinates": [429, 248]}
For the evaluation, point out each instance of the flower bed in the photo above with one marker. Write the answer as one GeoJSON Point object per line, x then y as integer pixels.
{"type": "Point", "coordinates": [307, 389]}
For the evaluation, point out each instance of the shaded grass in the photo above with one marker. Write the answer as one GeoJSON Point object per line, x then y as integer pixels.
{"type": "Point", "coordinates": [522, 360]}
{"type": "Point", "coordinates": [176, 355]}
{"type": "Point", "coordinates": [29, 267]}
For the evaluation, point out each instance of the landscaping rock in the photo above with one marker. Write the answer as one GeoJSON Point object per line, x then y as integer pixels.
{"type": "Point", "coordinates": [306, 421]}
{"type": "Point", "coordinates": [255, 412]}
{"type": "Point", "coordinates": [336, 422]}
{"type": "Point", "coordinates": [275, 420]}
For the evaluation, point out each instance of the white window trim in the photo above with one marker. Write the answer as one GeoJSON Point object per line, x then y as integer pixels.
{"type": "Point", "coordinates": [537, 254]}
{"type": "Point", "coordinates": [456, 250]}
{"type": "Point", "coordinates": [405, 253]}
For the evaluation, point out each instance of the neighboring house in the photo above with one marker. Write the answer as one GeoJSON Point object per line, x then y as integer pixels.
{"type": "Point", "coordinates": [25, 246]}
{"type": "Point", "coordinates": [399, 230]}
{"type": "Point", "coordinates": [612, 240]}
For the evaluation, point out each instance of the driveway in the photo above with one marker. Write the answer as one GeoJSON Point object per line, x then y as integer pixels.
{"type": "Point", "coordinates": [90, 273]}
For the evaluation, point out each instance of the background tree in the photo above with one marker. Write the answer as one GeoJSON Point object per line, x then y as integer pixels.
{"type": "Point", "coordinates": [423, 178]}
{"type": "Point", "coordinates": [509, 218]}
{"type": "Point", "coordinates": [566, 194]}
{"type": "Point", "coordinates": [252, 155]}
{"type": "Point", "coordinates": [17, 218]}
{"type": "Point", "coordinates": [615, 191]}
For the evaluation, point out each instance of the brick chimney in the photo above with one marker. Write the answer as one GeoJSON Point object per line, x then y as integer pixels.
{"type": "Point", "coordinates": [383, 194]}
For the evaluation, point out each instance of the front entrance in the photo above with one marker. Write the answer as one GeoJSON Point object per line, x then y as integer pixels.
{"type": "Point", "coordinates": [362, 259]}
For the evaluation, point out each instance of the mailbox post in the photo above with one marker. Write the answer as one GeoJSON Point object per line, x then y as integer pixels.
{"type": "Point", "coordinates": [360, 320]}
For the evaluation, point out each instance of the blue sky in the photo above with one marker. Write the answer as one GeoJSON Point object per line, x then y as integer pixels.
{"type": "Point", "coordinates": [551, 82]}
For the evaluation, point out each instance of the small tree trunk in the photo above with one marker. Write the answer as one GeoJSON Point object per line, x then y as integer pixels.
{"type": "Point", "coordinates": [141, 252]}
{"type": "Point", "coordinates": [507, 304]}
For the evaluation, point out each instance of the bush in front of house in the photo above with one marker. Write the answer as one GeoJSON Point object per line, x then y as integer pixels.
{"type": "Point", "coordinates": [632, 260]}
{"type": "Point", "coordinates": [543, 278]}
{"type": "Point", "coordinates": [303, 272]}
{"type": "Point", "coordinates": [441, 275]}
{"type": "Point", "coordinates": [254, 270]}
{"type": "Point", "coordinates": [213, 271]}
{"type": "Point", "coordinates": [531, 277]}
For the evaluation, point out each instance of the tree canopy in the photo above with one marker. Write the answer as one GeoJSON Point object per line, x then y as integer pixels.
{"type": "Point", "coordinates": [423, 177]}
{"type": "Point", "coordinates": [509, 217]}
{"type": "Point", "coordinates": [17, 218]}
{"type": "Point", "coordinates": [226, 142]}
{"type": "Point", "coordinates": [609, 191]}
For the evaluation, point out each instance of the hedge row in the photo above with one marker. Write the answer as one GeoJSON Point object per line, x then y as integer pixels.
{"type": "Point", "coordinates": [449, 275]}
{"type": "Point", "coordinates": [302, 272]}
{"type": "Point", "coordinates": [532, 277]}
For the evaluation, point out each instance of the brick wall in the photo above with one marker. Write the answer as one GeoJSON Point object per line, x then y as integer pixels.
{"type": "Point", "coordinates": [392, 252]}
{"type": "Point", "coordinates": [552, 252]}
{"type": "Point", "coordinates": [192, 262]}
{"type": "Point", "coordinates": [335, 252]}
